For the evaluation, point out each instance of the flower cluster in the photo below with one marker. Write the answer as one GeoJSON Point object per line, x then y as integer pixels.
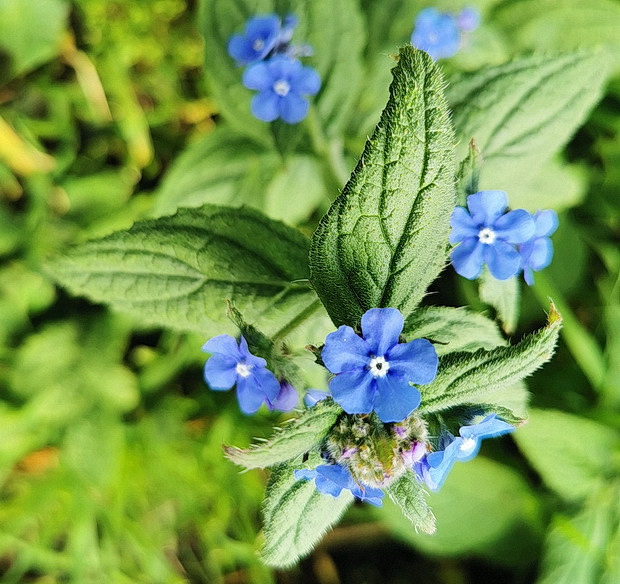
{"type": "Point", "coordinates": [434, 467]}
{"type": "Point", "coordinates": [232, 364]}
{"type": "Point", "coordinates": [273, 68]}
{"type": "Point", "coordinates": [441, 34]}
{"type": "Point", "coordinates": [507, 242]}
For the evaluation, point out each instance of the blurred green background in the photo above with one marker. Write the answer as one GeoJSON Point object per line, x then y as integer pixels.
{"type": "Point", "coordinates": [111, 464]}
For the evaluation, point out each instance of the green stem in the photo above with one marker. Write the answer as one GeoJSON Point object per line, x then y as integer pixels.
{"type": "Point", "coordinates": [297, 320]}
{"type": "Point", "coordinates": [580, 342]}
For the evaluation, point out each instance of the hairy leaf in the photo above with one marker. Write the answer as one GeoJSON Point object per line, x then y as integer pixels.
{"type": "Point", "coordinates": [296, 516]}
{"type": "Point", "coordinates": [178, 271]}
{"type": "Point", "coordinates": [296, 438]}
{"type": "Point", "coordinates": [521, 113]}
{"type": "Point", "coordinates": [384, 238]}
{"type": "Point", "coordinates": [409, 495]}
{"type": "Point", "coordinates": [473, 377]}
{"type": "Point", "coordinates": [453, 329]}
{"type": "Point", "coordinates": [503, 296]}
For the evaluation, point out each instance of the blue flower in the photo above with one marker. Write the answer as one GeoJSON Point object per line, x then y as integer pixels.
{"type": "Point", "coordinates": [537, 253]}
{"type": "Point", "coordinates": [375, 371]}
{"type": "Point", "coordinates": [231, 364]}
{"type": "Point", "coordinates": [262, 34]}
{"type": "Point", "coordinates": [330, 479]}
{"type": "Point", "coordinates": [282, 84]}
{"type": "Point", "coordinates": [437, 33]}
{"type": "Point", "coordinates": [486, 234]}
{"type": "Point", "coordinates": [440, 33]}
{"type": "Point", "coordinates": [286, 399]}
{"type": "Point", "coordinates": [434, 468]}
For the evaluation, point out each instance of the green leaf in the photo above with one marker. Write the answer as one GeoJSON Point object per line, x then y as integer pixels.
{"type": "Point", "coordinates": [453, 329]}
{"type": "Point", "coordinates": [480, 503]}
{"type": "Point", "coordinates": [178, 271]}
{"type": "Point", "coordinates": [521, 113]}
{"type": "Point", "coordinates": [295, 439]}
{"type": "Point", "coordinates": [465, 378]}
{"type": "Point", "coordinates": [296, 516]}
{"type": "Point", "coordinates": [31, 32]}
{"type": "Point", "coordinates": [543, 24]}
{"type": "Point", "coordinates": [226, 168]}
{"type": "Point", "coordinates": [571, 454]}
{"type": "Point", "coordinates": [409, 495]}
{"type": "Point", "coordinates": [576, 547]}
{"type": "Point", "coordinates": [503, 296]}
{"type": "Point", "coordinates": [384, 238]}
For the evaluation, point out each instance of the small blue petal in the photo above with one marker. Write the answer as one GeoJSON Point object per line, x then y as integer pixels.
{"type": "Point", "coordinates": [258, 76]}
{"type": "Point", "coordinates": [345, 351]}
{"type": "Point", "coordinates": [515, 226]}
{"type": "Point", "coordinates": [415, 361]}
{"type": "Point", "coordinates": [539, 253]}
{"type": "Point", "coordinates": [305, 474]}
{"type": "Point", "coordinates": [293, 108]}
{"type": "Point", "coordinates": [266, 106]}
{"type": "Point", "coordinates": [503, 260]}
{"type": "Point", "coordinates": [286, 400]}
{"type": "Point", "coordinates": [354, 391]}
{"type": "Point", "coordinates": [490, 427]}
{"type": "Point", "coordinates": [306, 82]}
{"type": "Point", "coordinates": [395, 398]}
{"type": "Point", "coordinates": [224, 344]}
{"type": "Point", "coordinates": [487, 206]}
{"type": "Point", "coordinates": [463, 226]}
{"type": "Point", "coordinates": [467, 258]}
{"type": "Point", "coordinates": [546, 222]}
{"type": "Point", "coordinates": [219, 372]}
{"type": "Point", "coordinates": [436, 33]}
{"type": "Point", "coordinates": [381, 328]}
{"type": "Point", "coordinates": [468, 19]}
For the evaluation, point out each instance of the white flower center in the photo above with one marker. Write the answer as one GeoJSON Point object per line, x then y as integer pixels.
{"type": "Point", "coordinates": [243, 369]}
{"type": "Point", "coordinates": [258, 45]}
{"type": "Point", "coordinates": [378, 366]}
{"type": "Point", "coordinates": [468, 445]}
{"type": "Point", "coordinates": [487, 235]}
{"type": "Point", "coordinates": [281, 87]}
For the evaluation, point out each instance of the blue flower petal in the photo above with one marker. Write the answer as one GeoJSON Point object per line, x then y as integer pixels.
{"type": "Point", "coordinates": [293, 108]}
{"type": "Point", "coordinates": [490, 427]}
{"type": "Point", "coordinates": [487, 206]}
{"type": "Point", "coordinates": [503, 260]}
{"type": "Point", "coordinates": [462, 225]}
{"type": "Point", "coordinates": [266, 106]}
{"type": "Point", "coordinates": [224, 344]}
{"type": "Point", "coordinates": [546, 222]}
{"type": "Point", "coordinates": [468, 257]}
{"type": "Point", "coordinates": [528, 276]}
{"type": "Point", "coordinates": [345, 351]}
{"type": "Point", "coordinates": [258, 76]}
{"type": "Point", "coordinates": [286, 400]}
{"type": "Point", "coordinates": [415, 361]}
{"type": "Point", "coordinates": [354, 391]}
{"type": "Point", "coordinates": [249, 394]}
{"type": "Point", "coordinates": [515, 226]}
{"type": "Point", "coordinates": [381, 328]}
{"type": "Point", "coordinates": [306, 82]}
{"type": "Point", "coordinates": [219, 372]}
{"type": "Point", "coordinates": [248, 357]}
{"type": "Point", "coordinates": [395, 398]}
{"type": "Point", "coordinates": [540, 253]}
{"type": "Point", "coordinates": [305, 474]}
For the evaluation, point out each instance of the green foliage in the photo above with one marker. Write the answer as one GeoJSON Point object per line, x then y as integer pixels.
{"type": "Point", "coordinates": [522, 112]}
{"type": "Point", "coordinates": [409, 495]}
{"type": "Point", "coordinates": [571, 454]}
{"type": "Point", "coordinates": [298, 437]}
{"type": "Point", "coordinates": [296, 516]}
{"type": "Point", "coordinates": [177, 271]}
{"type": "Point", "coordinates": [467, 378]}
{"type": "Point", "coordinates": [383, 240]}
